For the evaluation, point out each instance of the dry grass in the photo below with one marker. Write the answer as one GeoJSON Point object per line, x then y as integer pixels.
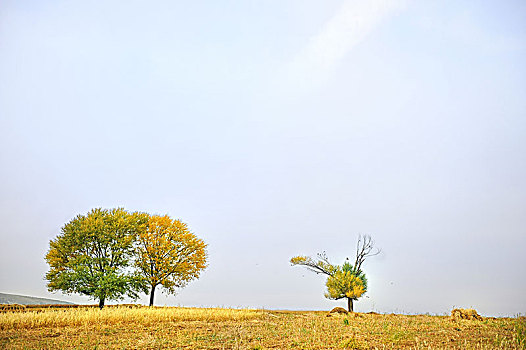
{"type": "Point", "coordinates": [11, 307]}
{"type": "Point", "coordinates": [192, 328]}
{"type": "Point", "coordinates": [118, 316]}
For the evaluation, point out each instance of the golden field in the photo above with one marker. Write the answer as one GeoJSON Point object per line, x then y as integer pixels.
{"type": "Point", "coordinates": [131, 327]}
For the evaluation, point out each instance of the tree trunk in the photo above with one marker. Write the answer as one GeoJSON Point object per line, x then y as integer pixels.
{"type": "Point", "coordinates": [349, 305]}
{"type": "Point", "coordinates": [151, 295]}
{"type": "Point", "coordinates": [101, 303]}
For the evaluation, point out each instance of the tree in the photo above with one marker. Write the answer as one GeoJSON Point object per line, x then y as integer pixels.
{"type": "Point", "coordinates": [92, 255]}
{"type": "Point", "coordinates": [345, 281]}
{"type": "Point", "coordinates": [168, 254]}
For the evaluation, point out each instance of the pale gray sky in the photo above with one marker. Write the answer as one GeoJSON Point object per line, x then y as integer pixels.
{"type": "Point", "coordinates": [276, 128]}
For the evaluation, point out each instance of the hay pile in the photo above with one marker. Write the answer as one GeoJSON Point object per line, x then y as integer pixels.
{"type": "Point", "coordinates": [465, 314]}
{"type": "Point", "coordinates": [337, 310]}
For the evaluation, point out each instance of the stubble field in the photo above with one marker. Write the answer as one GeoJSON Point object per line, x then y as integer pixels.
{"type": "Point", "coordinates": [213, 328]}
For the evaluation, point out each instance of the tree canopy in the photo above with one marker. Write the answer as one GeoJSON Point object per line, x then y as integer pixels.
{"type": "Point", "coordinates": [346, 282]}
{"type": "Point", "coordinates": [168, 254]}
{"type": "Point", "coordinates": [92, 254]}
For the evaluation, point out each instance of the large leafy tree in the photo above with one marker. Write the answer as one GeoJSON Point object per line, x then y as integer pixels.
{"type": "Point", "coordinates": [168, 254]}
{"type": "Point", "coordinates": [343, 281]}
{"type": "Point", "coordinates": [92, 255]}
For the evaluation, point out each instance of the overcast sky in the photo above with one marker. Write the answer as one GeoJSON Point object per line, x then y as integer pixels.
{"type": "Point", "coordinates": [276, 128]}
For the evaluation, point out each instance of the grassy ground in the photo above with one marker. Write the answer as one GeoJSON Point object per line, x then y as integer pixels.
{"type": "Point", "coordinates": [190, 328]}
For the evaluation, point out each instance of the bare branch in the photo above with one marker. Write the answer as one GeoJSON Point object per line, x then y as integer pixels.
{"type": "Point", "coordinates": [364, 249]}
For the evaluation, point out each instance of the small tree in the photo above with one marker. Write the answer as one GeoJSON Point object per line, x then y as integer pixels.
{"type": "Point", "coordinates": [345, 281]}
{"type": "Point", "coordinates": [168, 254]}
{"type": "Point", "coordinates": [91, 256]}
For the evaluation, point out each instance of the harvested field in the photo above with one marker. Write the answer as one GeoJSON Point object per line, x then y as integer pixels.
{"type": "Point", "coordinates": [210, 328]}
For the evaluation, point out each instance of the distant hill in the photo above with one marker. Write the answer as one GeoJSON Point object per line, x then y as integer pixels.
{"type": "Point", "coordinates": [25, 300]}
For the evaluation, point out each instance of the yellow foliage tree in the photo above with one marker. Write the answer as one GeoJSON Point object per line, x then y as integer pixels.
{"type": "Point", "coordinates": [168, 254]}
{"type": "Point", "coordinates": [346, 282]}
